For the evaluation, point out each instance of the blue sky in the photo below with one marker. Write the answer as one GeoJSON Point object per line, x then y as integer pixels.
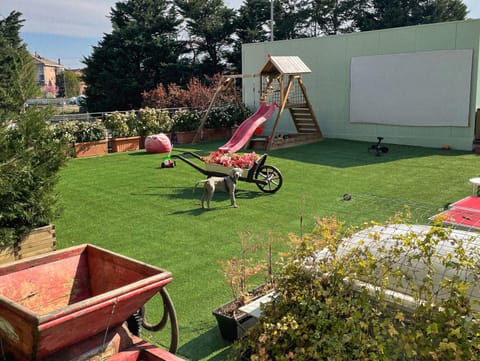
{"type": "Point", "coordinates": [67, 30]}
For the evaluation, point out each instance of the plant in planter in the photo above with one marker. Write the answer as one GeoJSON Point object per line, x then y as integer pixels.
{"type": "Point", "coordinates": [152, 121]}
{"type": "Point", "coordinates": [30, 158]}
{"type": "Point", "coordinates": [90, 139]}
{"type": "Point", "coordinates": [185, 124]}
{"type": "Point", "coordinates": [410, 291]}
{"type": "Point", "coordinates": [221, 122]}
{"type": "Point", "coordinates": [123, 129]}
{"type": "Point", "coordinates": [87, 138]}
{"type": "Point", "coordinates": [239, 272]}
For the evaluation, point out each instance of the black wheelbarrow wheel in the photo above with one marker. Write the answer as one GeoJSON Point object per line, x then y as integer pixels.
{"type": "Point", "coordinates": [269, 179]}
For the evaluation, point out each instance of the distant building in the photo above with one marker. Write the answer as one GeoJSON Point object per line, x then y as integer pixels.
{"type": "Point", "coordinates": [47, 71]}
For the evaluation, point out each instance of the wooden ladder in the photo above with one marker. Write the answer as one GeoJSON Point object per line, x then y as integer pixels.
{"type": "Point", "coordinates": [304, 119]}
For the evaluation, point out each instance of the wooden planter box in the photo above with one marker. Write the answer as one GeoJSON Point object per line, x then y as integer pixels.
{"type": "Point", "coordinates": [7, 254]}
{"type": "Point", "coordinates": [126, 144]}
{"type": "Point", "coordinates": [40, 240]}
{"type": "Point", "coordinates": [91, 149]}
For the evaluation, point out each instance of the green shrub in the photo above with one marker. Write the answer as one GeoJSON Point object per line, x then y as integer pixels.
{"type": "Point", "coordinates": [185, 120]}
{"type": "Point", "coordinates": [30, 158]}
{"type": "Point", "coordinates": [89, 131]}
{"type": "Point", "coordinates": [121, 124]}
{"type": "Point", "coordinates": [153, 121]}
{"type": "Point", "coordinates": [335, 306]}
{"type": "Point", "coordinates": [81, 131]}
{"type": "Point", "coordinates": [226, 117]}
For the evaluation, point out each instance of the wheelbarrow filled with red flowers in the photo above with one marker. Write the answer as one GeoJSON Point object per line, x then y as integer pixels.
{"type": "Point", "coordinates": [220, 163]}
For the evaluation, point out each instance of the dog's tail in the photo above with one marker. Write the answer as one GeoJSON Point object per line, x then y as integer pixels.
{"type": "Point", "coordinates": [196, 184]}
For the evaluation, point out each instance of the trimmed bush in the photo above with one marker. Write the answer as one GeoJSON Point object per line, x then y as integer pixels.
{"type": "Point", "coordinates": [80, 131]}
{"type": "Point", "coordinates": [121, 124]}
{"type": "Point", "coordinates": [153, 121]}
{"type": "Point", "coordinates": [185, 120]}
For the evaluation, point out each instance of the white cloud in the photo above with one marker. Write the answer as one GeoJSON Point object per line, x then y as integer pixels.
{"type": "Point", "coordinates": [85, 18]}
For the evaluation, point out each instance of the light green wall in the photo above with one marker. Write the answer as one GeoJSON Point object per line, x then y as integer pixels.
{"type": "Point", "coordinates": [328, 85]}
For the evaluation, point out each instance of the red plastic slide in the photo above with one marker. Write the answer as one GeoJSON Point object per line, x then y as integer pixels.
{"type": "Point", "coordinates": [245, 131]}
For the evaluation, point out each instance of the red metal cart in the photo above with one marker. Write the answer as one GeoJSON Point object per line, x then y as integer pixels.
{"type": "Point", "coordinates": [73, 304]}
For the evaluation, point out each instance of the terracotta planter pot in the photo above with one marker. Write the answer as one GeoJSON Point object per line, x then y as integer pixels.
{"type": "Point", "coordinates": [91, 149]}
{"type": "Point", "coordinates": [217, 134]}
{"type": "Point", "coordinates": [38, 241]}
{"type": "Point", "coordinates": [126, 144]}
{"type": "Point", "coordinates": [185, 137]}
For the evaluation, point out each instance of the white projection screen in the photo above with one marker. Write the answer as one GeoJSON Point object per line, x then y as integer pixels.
{"type": "Point", "coordinates": [413, 89]}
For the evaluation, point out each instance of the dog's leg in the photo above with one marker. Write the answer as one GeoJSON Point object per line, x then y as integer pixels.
{"type": "Point", "coordinates": [204, 196]}
{"type": "Point", "coordinates": [233, 201]}
{"type": "Point", "coordinates": [209, 197]}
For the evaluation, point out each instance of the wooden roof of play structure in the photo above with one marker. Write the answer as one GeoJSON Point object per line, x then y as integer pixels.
{"type": "Point", "coordinates": [285, 65]}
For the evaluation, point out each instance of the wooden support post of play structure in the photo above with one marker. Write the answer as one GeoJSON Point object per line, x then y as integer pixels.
{"type": "Point", "coordinates": [283, 98]}
{"type": "Point", "coordinates": [226, 82]}
{"type": "Point", "coordinates": [223, 85]}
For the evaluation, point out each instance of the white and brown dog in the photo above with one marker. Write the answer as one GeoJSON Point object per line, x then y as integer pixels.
{"type": "Point", "coordinates": [224, 184]}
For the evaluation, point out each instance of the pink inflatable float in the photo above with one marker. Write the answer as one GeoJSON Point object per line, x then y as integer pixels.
{"type": "Point", "coordinates": [158, 143]}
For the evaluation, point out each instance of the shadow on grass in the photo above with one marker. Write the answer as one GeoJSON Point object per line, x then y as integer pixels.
{"type": "Point", "coordinates": [192, 193]}
{"type": "Point", "coordinates": [201, 347]}
{"type": "Point", "coordinates": [143, 152]}
{"type": "Point", "coordinates": [347, 153]}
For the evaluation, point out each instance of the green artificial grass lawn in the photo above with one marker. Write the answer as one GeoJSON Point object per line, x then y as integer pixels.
{"type": "Point", "coordinates": [126, 203]}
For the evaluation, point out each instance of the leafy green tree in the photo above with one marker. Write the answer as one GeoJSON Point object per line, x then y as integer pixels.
{"type": "Point", "coordinates": [210, 26]}
{"type": "Point", "coordinates": [445, 10]}
{"type": "Point", "coordinates": [141, 52]}
{"type": "Point", "coordinates": [329, 17]}
{"type": "Point", "coordinates": [290, 19]}
{"type": "Point", "coordinates": [60, 81]}
{"type": "Point", "coordinates": [17, 71]}
{"type": "Point", "coordinates": [68, 84]}
{"type": "Point", "coordinates": [72, 83]}
{"type": "Point", "coordinates": [252, 25]}
{"type": "Point", "coordinates": [382, 14]}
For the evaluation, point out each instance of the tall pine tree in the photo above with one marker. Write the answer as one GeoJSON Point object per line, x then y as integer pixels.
{"type": "Point", "coordinates": [141, 52]}
{"type": "Point", "coordinates": [17, 71]}
{"type": "Point", "coordinates": [209, 25]}
{"type": "Point", "coordinates": [252, 25]}
{"type": "Point", "coordinates": [383, 14]}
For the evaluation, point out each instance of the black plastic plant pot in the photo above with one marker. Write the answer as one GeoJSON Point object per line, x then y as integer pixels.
{"type": "Point", "coordinates": [231, 328]}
